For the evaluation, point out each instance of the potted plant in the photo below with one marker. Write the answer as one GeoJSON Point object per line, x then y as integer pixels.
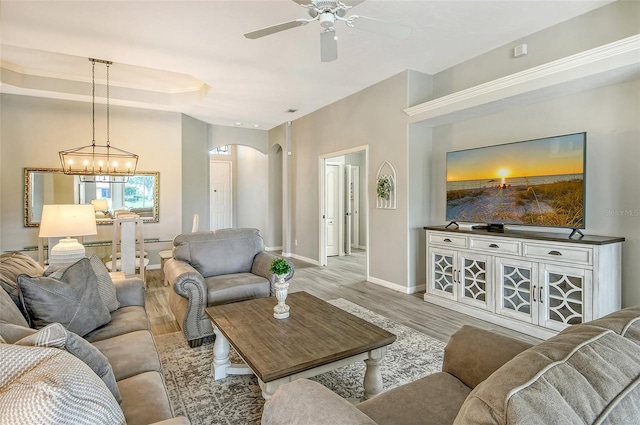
{"type": "Point", "coordinates": [281, 268]}
{"type": "Point", "coordinates": [384, 188]}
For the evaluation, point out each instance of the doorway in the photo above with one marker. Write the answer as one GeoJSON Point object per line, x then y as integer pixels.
{"type": "Point", "coordinates": [343, 222]}
{"type": "Point", "coordinates": [221, 201]}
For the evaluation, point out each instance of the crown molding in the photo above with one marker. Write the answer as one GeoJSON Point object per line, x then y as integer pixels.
{"type": "Point", "coordinates": [600, 61]}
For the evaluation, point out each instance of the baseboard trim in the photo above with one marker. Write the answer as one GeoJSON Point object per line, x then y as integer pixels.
{"type": "Point", "coordinates": [395, 286]}
{"type": "Point", "coordinates": [153, 267]}
{"type": "Point", "coordinates": [273, 248]}
{"type": "Point", "coordinates": [305, 259]}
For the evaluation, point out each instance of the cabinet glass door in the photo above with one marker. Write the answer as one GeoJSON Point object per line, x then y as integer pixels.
{"type": "Point", "coordinates": [475, 281]}
{"type": "Point", "coordinates": [442, 272]}
{"type": "Point", "coordinates": [563, 300]}
{"type": "Point", "coordinates": [516, 295]}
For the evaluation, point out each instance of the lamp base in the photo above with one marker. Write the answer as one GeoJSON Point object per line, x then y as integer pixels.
{"type": "Point", "coordinates": [67, 251]}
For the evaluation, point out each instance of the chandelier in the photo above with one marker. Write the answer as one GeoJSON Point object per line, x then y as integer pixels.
{"type": "Point", "coordinates": [99, 163]}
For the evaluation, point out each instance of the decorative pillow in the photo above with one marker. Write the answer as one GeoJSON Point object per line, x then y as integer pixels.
{"type": "Point", "coordinates": [13, 264]}
{"type": "Point", "coordinates": [106, 288]}
{"type": "Point", "coordinates": [73, 300]}
{"type": "Point", "coordinates": [48, 386]}
{"type": "Point", "coordinates": [56, 336]}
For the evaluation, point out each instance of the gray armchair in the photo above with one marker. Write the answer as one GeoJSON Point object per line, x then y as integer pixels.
{"type": "Point", "coordinates": [214, 268]}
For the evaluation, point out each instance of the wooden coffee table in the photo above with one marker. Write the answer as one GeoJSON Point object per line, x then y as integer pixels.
{"type": "Point", "coordinates": [316, 338]}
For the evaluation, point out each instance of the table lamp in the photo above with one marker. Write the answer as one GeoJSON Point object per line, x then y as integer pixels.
{"type": "Point", "coordinates": [64, 221]}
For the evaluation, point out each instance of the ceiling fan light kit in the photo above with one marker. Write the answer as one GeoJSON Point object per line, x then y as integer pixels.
{"type": "Point", "coordinates": [327, 13]}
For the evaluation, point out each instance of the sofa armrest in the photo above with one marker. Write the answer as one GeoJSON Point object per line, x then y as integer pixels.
{"type": "Point", "coordinates": [129, 291]}
{"type": "Point", "coordinates": [305, 402]}
{"type": "Point", "coordinates": [187, 282]}
{"type": "Point", "coordinates": [262, 264]}
{"type": "Point", "coordinates": [472, 354]}
{"type": "Point", "coordinates": [180, 420]}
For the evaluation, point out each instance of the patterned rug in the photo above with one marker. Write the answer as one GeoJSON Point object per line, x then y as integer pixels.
{"type": "Point", "coordinates": [237, 400]}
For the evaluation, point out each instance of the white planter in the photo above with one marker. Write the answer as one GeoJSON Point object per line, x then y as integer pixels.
{"type": "Point", "coordinates": [281, 310]}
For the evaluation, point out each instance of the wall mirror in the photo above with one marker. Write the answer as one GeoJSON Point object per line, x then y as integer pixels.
{"type": "Point", "coordinates": [44, 186]}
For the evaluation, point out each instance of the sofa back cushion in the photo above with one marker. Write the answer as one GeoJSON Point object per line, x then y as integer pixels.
{"type": "Point", "coordinates": [588, 373]}
{"type": "Point", "coordinates": [220, 252]}
{"type": "Point", "coordinates": [13, 264]}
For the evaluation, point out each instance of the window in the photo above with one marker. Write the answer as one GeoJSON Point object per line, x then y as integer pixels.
{"type": "Point", "coordinates": [220, 150]}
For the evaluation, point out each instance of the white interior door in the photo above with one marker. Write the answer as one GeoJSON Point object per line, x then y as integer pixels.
{"type": "Point", "coordinates": [348, 216]}
{"type": "Point", "coordinates": [332, 200]}
{"type": "Point", "coordinates": [220, 186]}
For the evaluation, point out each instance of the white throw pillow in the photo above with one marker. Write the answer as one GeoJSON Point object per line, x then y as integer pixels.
{"type": "Point", "coordinates": [48, 386]}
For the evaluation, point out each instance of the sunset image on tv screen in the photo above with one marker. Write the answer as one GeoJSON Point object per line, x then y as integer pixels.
{"type": "Point", "coordinates": [536, 182]}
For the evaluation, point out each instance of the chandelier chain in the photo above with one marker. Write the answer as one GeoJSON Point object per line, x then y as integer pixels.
{"type": "Point", "coordinates": [108, 142]}
{"type": "Point", "coordinates": [93, 95]}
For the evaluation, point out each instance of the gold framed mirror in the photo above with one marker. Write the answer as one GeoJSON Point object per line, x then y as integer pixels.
{"type": "Point", "coordinates": [51, 186]}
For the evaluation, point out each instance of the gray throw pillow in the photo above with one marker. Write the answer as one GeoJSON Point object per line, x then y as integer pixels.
{"type": "Point", "coordinates": [73, 300]}
{"type": "Point", "coordinates": [106, 288]}
{"type": "Point", "coordinates": [56, 336]}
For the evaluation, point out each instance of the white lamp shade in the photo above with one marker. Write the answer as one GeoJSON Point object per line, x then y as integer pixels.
{"type": "Point", "coordinates": [100, 204]}
{"type": "Point", "coordinates": [67, 220]}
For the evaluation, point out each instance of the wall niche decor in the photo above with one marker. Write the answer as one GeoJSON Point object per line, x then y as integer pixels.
{"type": "Point", "coordinates": [386, 186]}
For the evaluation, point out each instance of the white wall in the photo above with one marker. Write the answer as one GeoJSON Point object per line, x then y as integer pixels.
{"type": "Point", "coordinates": [610, 116]}
{"type": "Point", "coordinates": [34, 130]}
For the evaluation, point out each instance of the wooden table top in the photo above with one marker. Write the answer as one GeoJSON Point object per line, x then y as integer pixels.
{"type": "Point", "coordinates": [316, 333]}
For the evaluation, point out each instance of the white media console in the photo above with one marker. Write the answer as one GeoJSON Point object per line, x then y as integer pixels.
{"type": "Point", "coordinates": [533, 282]}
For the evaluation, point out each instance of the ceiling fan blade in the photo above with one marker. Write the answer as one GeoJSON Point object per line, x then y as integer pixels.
{"type": "Point", "coordinates": [328, 45]}
{"type": "Point", "coordinates": [276, 28]}
{"type": "Point", "coordinates": [378, 26]}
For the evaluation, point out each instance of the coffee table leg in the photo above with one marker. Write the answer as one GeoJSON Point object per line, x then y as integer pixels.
{"type": "Point", "coordinates": [220, 355]}
{"type": "Point", "coordinates": [372, 377]}
{"type": "Point", "coordinates": [221, 363]}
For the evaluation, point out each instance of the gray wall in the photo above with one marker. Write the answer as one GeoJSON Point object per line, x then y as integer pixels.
{"type": "Point", "coordinates": [34, 130]}
{"type": "Point", "coordinates": [371, 117]}
{"type": "Point", "coordinates": [610, 116]}
{"type": "Point", "coordinates": [195, 173]}
{"type": "Point", "coordinates": [252, 188]}
{"type": "Point", "coordinates": [273, 232]}
{"type": "Point", "coordinates": [613, 22]}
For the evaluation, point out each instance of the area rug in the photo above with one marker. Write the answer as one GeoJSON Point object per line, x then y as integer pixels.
{"type": "Point", "coordinates": [237, 400]}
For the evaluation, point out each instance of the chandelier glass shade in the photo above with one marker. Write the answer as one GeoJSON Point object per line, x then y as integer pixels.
{"type": "Point", "coordinates": [99, 163]}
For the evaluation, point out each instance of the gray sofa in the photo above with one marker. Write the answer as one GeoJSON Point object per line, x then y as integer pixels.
{"type": "Point", "coordinates": [126, 341]}
{"type": "Point", "coordinates": [214, 268]}
{"type": "Point", "coordinates": [588, 373]}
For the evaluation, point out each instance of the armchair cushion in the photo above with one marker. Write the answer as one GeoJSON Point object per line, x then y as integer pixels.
{"type": "Point", "coordinates": [236, 287]}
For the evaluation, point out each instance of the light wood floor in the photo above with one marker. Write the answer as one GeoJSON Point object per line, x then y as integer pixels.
{"type": "Point", "coordinates": [343, 277]}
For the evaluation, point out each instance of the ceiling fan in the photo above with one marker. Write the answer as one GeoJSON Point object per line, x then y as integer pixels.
{"type": "Point", "coordinates": [327, 13]}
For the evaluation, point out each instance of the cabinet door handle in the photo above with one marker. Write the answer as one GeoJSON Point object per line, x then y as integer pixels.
{"type": "Point", "coordinates": [494, 246]}
{"type": "Point", "coordinates": [555, 253]}
{"type": "Point", "coordinates": [446, 240]}
{"type": "Point", "coordinates": [540, 296]}
{"type": "Point", "coordinates": [534, 293]}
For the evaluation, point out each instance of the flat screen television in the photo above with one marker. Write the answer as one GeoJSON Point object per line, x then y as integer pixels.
{"type": "Point", "coordinates": [537, 182]}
